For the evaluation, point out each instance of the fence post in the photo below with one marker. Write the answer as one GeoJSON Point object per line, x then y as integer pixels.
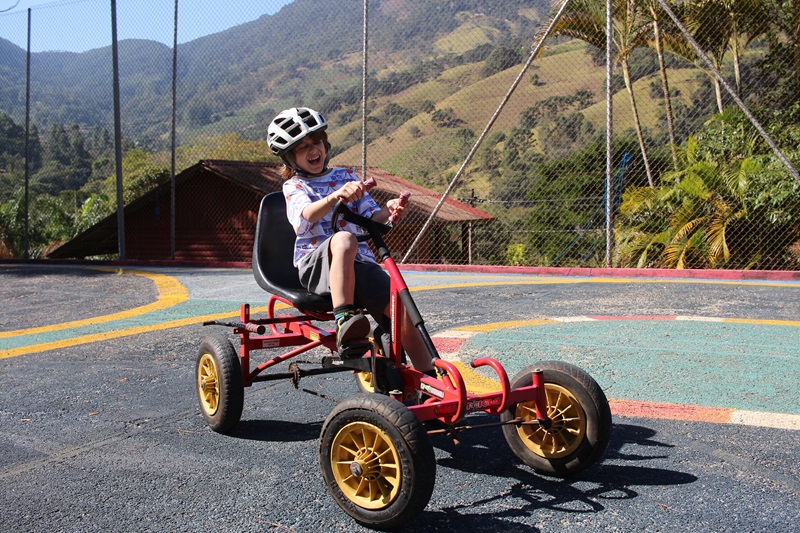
{"type": "Point", "coordinates": [27, 139]}
{"type": "Point", "coordinates": [172, 149]}
{"type": "Point", "coordinates": [609, 132]}
{"type": "Point", "coordinates": [117, 133]}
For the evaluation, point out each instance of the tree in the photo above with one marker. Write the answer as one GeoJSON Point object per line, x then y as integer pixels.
{"type": "Point", "coordinates": [657, 15]}
{"type": "Point", "coordinates": [501, 58]}
{"type": "Point", "coordinates": [722, 25]}
{"type": "Point", "coordinates": [50, 220]}
{"type": "Point", "coordinates": [446, 118]}
{"type": "Point", "coordinates": [785, 15]}
{"type": "Point", "coordinates": [732, 205]}
{"type": "Point", "coordinates": [12, 142]}
{"type": "Point", "coordinates": [585, 20]}
{"type": "Point", "coordinates": [12, 154]}
{"type": "Point", "coordinates": [67, 163]}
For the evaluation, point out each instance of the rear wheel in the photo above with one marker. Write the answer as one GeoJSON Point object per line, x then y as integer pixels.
{"type": "Point", "coordinates": [364, 382]}
{"type": "Point", "coordinates": [220, 389]}
{"type": "Point", "coordinates": [581, 421]}
{"type": "Point", "coordinates": [384, 380]}
{"type": "Point", "coordinates": [377, 461]}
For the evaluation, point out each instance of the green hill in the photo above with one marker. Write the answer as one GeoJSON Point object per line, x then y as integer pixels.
{"type": "Point", "coordinates": [429, 91]}
{"type": "Point", "coordinates": [305, 50]}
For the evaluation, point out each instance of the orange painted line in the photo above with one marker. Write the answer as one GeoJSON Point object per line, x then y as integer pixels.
{"type": "Point", "coordinates": [671, 411]}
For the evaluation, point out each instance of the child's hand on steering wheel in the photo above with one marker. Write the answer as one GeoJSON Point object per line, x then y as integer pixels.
{"type": "Point", "coordinates": [397, 209]}
{"type": "Point", "coordinates": [350, 192]}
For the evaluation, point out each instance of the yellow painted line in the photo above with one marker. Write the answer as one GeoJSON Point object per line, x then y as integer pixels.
{"type": "Point", "coordinates": [85, 339]}
{"type": "Point", "coordinates": [494, 284]}
{"type": "Point", "coordinates": [476, 383]}
{"type": "Point", "coordinates": [565, 281]}
{"type": "Point", "coordinates": [479, 384]}
{"type": "Point", "coordinates": [483, 328]}
{"type": "Point", "coordinates": [494, 326]}
{"type": "Point", "coordinates": [170, 292]}
{"type": "Point", "coordinates": [762, 321]}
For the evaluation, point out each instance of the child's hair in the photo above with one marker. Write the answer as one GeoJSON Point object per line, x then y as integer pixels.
{"type": "Point", "coordinates": [286, 170]}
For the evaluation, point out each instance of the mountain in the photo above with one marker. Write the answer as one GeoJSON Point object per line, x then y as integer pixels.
{"type": "Point", "coordinates": [307, 52]}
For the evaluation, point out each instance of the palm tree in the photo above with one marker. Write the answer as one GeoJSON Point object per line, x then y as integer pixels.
{"type": "Point", "coordinates": [710, 26]}
{"type": "Point", "coordinates": [719, 26]}
{"type": "Point", "coordinates": [585, 20]}
{"type": "Point", "coordinates": [657, 15]}
{"type": "Point", "coordinates": [642, 228]}
{"type": "Point", "coordinates": [749, 21]}
{"type": "Point", "coordinates": [686, 224]}
{"type": "Point", "coordinates": [785, 16]}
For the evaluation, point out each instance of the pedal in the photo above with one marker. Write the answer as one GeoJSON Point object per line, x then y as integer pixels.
{"type": "Point", "coordinates": [355, 349]}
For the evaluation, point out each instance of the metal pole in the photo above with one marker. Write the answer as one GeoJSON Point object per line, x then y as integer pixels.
{"type": "Point", "coordinates": [534, 53]}
{"type": "Point", "coordinates": [609, 133]}
{"type": "Point", "coordinates": [172, 149]}
{"type": "Point", "coordinates": [26, 244]}
{"type": "Point", "coordinates": [117, 133]}
{"type": "Point", "coordinates": [364, 96]}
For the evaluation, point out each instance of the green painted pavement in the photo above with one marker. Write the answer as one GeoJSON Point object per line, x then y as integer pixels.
{"type": "Point", "coordinates": [731, 365]}
{"type": "Point", "coordinates": [180, 311]}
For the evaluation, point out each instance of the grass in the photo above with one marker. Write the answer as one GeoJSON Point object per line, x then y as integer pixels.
{"type": "Point", "coordinates": [563, 70]}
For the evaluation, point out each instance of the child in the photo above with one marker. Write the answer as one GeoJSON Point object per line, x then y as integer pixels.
{"type": "Point", "coordinates": [329, 262]}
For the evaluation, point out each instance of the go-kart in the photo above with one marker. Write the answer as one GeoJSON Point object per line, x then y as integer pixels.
{"type": "Point", "coordinates": [375, 454]}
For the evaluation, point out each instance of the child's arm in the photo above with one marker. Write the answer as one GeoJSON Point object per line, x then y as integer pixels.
{"type": "Point", "coordinates": [349, 192]}
{"type": "Point", "coordinates": [394, 208]}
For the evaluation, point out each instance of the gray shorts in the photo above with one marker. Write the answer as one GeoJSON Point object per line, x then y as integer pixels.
{"type": "Point", "coordinates": [372, 283]}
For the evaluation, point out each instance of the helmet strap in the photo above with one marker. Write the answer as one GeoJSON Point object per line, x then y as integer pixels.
{"type": "Point", "coordinates": [327, 153]}
{"type": "Point", "coordinates": [288, 160]}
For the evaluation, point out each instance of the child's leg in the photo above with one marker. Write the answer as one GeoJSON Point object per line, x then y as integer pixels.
{"type": "Point", "coordinates": [374, 287]}
{"type": "Point", "coordinates": [350, 328]}
{"type": "Point", "coordinates": [343, 249]}
{"type": "Point", "coordinates": [413, 344]}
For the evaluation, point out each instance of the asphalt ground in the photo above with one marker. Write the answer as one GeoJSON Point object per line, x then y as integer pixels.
{"type": "Point", "coordinates": [100, 430]}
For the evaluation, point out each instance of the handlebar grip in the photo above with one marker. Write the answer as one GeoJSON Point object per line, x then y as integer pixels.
{"type": "Point", "coordinates": [370, 183]}
{"type": "Point", "coordinates": [404, 196]}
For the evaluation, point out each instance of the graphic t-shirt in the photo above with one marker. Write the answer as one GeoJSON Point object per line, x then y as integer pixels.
{"type": "Point", "coordinates": [300, 191]}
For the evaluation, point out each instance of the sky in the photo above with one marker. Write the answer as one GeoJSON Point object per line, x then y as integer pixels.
{"type": "Point", "coordinates": [81, 25]}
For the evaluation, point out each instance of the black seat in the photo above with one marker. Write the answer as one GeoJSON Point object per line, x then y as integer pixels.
{"type": "Point", "coordinates": [273, 253]}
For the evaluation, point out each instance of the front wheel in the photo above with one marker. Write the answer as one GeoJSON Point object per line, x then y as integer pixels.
{"type": "Point", "coordinates": [220, 389]}
{"type": "Point", "coordinates": [581, 421]}
{"type": "Point", "coordinates": [377, 461]}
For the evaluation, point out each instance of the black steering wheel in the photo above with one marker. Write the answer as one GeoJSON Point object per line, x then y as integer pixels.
{"type": "Point", "coordinates": [341, 210]}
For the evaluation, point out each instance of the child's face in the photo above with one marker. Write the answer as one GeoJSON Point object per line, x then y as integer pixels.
{"type": "Point", "coordinates": [309, 155]}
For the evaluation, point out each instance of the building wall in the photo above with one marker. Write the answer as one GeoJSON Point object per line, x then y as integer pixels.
{"type": "Point", "coordinates": [216, 221]}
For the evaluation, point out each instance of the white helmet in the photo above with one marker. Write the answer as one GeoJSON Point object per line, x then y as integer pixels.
{"type": "Point", "coordinates": [291, 126]}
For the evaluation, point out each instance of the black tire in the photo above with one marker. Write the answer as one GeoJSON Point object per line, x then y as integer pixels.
{"type": "Point", "coordinates": [218, 378]}
{"type": "Point", "coordinates": [580, 415]}
{"type": "Point", "coordinates": [377, 461]}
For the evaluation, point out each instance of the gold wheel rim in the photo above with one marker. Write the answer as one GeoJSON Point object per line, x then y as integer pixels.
{"type": "Point", "coordinates": [568, 424]}
{"type": "Point", "coordinates": [365, 379]}
{"type": "Point", "coordinates": [208, 384]}
{"type": "Point", "coordinates": [366, 465]}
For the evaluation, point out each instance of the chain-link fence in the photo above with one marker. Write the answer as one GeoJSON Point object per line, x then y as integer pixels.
{"type": "Point", "coordinates": [704, 148]}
